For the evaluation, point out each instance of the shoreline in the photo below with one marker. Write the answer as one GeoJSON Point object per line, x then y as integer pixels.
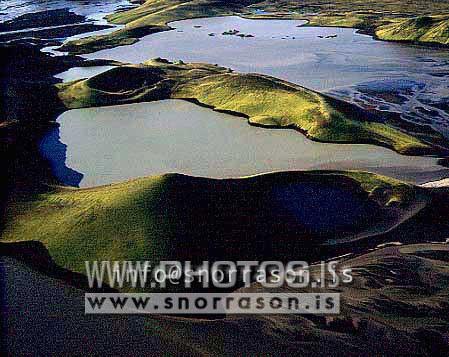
{"type": "Point", "coordinates": [443, 183]}
{"type": "Point", "coordinates": [333, 120]}
{"type": "Point", "coordinates": [137, 25]}
{"type": "Point", "coordinates": [82, 62]}
{"type": "Point", "coordinates": [48, 231]}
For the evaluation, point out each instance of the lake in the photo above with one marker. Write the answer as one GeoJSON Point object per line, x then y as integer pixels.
{"type": "Point", "coordinates": [407, 79]}
{"type": "Point", "coordinates": [97, 146]}
{"type": "Point", "coordinates": [104, 145]}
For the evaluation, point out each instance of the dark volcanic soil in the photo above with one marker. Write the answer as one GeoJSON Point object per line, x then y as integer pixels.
{"type": "Point", "coordinates": [392, 308]}
{"type": "Point", "coordinates": [53, 33]}
{"type": "Point", "coordinates": [51, 24]}
{"type": "Point", "coordinates": [48, 18]}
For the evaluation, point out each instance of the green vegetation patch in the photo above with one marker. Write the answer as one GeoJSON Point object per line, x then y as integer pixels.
{"type": "Point", "coordinates": [398, 192]}
{"type": "Point", "coordinates": [181, 217]}
{"type": "Point", "coordinates": [270, 102]}
{"type": "Point", "coordinates": [122, 37]}
{"type": "Point", "coordinates": [264, 100]}
{"type": "Point", "coordinates": [110, 222]}
{"type": "Point", "coordinates": [425, 29]}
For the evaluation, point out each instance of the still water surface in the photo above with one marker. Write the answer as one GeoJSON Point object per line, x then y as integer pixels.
{"type": "Point", "coordinates": [98, 146]}
{"type": "Point", "coordinates": [407, 79]}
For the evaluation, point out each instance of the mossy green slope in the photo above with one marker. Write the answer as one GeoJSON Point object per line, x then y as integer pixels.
{"type": "Point", "coordinates": [265, 100]}
{"type": "Point", "coordinates": [180, 217]}
{"type": "Point", "coordinates": [104, 223]}
{"type": "Point", "coordinates": [425, 29]}
{"type": "Point", "coordinates": [382, 7]}
{"type": "Point", "coordinates": [269, 102]}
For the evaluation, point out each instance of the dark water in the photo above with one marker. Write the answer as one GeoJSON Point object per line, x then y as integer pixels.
{"type": "Point", "coordinates": [321, 209]}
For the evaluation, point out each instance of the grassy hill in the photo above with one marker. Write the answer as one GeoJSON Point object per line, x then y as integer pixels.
{"type": "Point", "coordinates": [425, 29]}
{"type": "Point", "coordinates": [271, 216]}
{"type": "Point", "coordinates": [264, 100]}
